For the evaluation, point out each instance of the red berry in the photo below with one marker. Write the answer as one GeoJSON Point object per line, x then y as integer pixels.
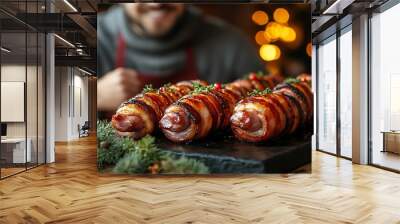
{"type": "Point", "coordinates": [253, 76]}
{"type": "Point", "coordinates": [217, 86]}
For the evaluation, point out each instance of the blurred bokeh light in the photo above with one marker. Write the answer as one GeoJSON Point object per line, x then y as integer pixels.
{"type": "Point", "coordinates": [281, 15]}
{"type": "Point", "coordinates": [260, 17]}
{"type": "Point", "coordinates": [270, 52]}
{"type": "Point", "coordinates": [261, 38]}
{"type": "Point", "coordinates": [280, 32]}
{"type": "Point", "coordinates": [309, 49]}
{"type": "Point", "coordinates": [288, 34]}
{"type": "Point", "coordinates": [273, 30]}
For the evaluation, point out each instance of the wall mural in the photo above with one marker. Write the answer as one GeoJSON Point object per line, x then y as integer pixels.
{"type": "Point", "coordinates": [204, 89]}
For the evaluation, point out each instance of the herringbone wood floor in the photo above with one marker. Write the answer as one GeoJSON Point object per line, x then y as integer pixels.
{"type": "Point", "coordinates": [71, 191]}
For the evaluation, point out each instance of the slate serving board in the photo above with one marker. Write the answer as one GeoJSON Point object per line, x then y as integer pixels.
{"type": "Point", "coordinates": [222, 153]}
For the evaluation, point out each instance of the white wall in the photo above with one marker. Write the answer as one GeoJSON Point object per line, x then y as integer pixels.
{"type": "Point", "coordinates": [71, 94]}
{"type": "Point", "coordinates": [61, 103]}
{"type": "Point", "coordinates": [14, 73]}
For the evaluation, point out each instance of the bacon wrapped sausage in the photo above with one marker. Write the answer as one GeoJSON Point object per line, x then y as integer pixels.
{"type": "Point", "coordinates": [254, 81]}
{"type": "Point", "coordinates": [270, 114]}
{"type": "Point", "coordinates": [139, 116]}
{"type": "Point", "coordinates": [304, 77]}
{"type": "Point", "coordinates": [196, 115]}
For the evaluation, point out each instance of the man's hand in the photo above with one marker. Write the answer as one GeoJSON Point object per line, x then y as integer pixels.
{"type": "Point", "coordinates": [115, 87]}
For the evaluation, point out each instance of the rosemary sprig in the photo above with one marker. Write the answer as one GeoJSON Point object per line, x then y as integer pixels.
{"type": "Point", "coordinates": [257, 92]}
{"type": "Point", "coordinates": [140, 156]}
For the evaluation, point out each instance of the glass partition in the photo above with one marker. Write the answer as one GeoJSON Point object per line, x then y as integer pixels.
{"type": "Point", "coordinates": [22, 90]}
{"type": "Point", "coordinates": [15, 151]}
{"type": "Point", "coordinates": [327, 96]}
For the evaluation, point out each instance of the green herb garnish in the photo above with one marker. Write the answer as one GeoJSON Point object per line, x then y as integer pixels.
{"type": "Point", "coordinates": [258, 92]}
{"type": "Point", "coordinates": [260, 74]}
{"type": "Point", "coordinates": [291, 80]}
{"type": "Point", "coordinates": [198, 88]}
{"type": "Point", "coordinates": [148, 88]}
{"type": "Point", "coordinates": [124, 155]}
{"type": "Point", "coordinates": [167, 87]}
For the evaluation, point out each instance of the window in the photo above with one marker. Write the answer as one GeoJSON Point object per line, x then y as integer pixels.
{"type": "Point", "coordinates": [385, 88]}
{"type": "Point", "coordinates": [327, 96]}
{"type": "Point", "coordinates": [346, 93]}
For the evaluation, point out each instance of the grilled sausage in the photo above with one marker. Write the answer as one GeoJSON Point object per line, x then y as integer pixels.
{"type": "Point", "coordinates": [196, 115]}
{"type": "Point", "coordinates": [139, 116]}
{"type": "Point", "coordinates": [269, 115]}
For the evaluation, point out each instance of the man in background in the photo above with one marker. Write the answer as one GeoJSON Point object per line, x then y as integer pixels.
{"type": "Point", "coordinates": [154, 43]}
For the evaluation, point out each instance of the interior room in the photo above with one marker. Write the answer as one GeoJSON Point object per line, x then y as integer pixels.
{"type": "Point", "coordinates": [23, 96]}
{"type": "Point", "coordinates": [49, 135]}
{"type": "Point", "coordinates": [336, 97]}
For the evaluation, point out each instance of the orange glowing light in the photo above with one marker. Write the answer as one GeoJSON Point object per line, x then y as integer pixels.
{"type": "Point", "coordinates": [268, 37]}
{"type": "Point", "coordinates": [309, 49]}
{"type": "Point", "coordinates": [270, 52]}
{"type": "Point", "coordinates": [288, 34]}
{"type": "Point", "coordinates": [260, 17]}
{"type": "Point", "coordinates": [260, 38]}
{"type": "Point", "coordinates": [281, 15]}
{"type": "Point", "coordinates": [273, 30]}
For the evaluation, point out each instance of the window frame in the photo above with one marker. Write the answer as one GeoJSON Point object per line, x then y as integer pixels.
{"type": "Point", "coordinates": [333, 37]}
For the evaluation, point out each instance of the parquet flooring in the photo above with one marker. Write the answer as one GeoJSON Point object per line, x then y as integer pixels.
{"type": "Point", "coordinates": [71, 191]}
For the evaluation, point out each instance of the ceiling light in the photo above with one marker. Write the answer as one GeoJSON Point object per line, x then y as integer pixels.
{"type": "Point", "coordinates": [331, 7]}
{"type": "Point", "coordinates": [84, 71]}
{"type": "Point", "coordinates": [5, 50]}
{"type": "Point", "coordinates": [64, 40]}
{"type": "Point", "coordinates": [70, 5]}
{"type": "Point", "coordinates": [337, 7]}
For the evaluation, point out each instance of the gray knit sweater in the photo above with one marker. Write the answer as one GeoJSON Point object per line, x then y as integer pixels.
{"type": "Point", "coordinates": [222, 53]}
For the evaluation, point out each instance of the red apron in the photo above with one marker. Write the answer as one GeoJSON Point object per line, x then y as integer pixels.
{"type": "Point", "coordinates": [189, 71]}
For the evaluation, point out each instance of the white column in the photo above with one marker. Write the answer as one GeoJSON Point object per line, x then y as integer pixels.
{"type": "Point", "coordinates": [50, 92]}
{"type": "Point", "coordinates": [360, 90]}
{"type": "Point", "coordinates": [50, 100]}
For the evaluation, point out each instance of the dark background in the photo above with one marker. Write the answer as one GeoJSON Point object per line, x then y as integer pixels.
{"type": "Point", "coordinates": [294, 58]}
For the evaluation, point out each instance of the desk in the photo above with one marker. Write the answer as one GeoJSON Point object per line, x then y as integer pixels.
{"type": "Point", "coordinates": [15, 148]}
{"type": "Point", "coordinates": [391, 141]}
